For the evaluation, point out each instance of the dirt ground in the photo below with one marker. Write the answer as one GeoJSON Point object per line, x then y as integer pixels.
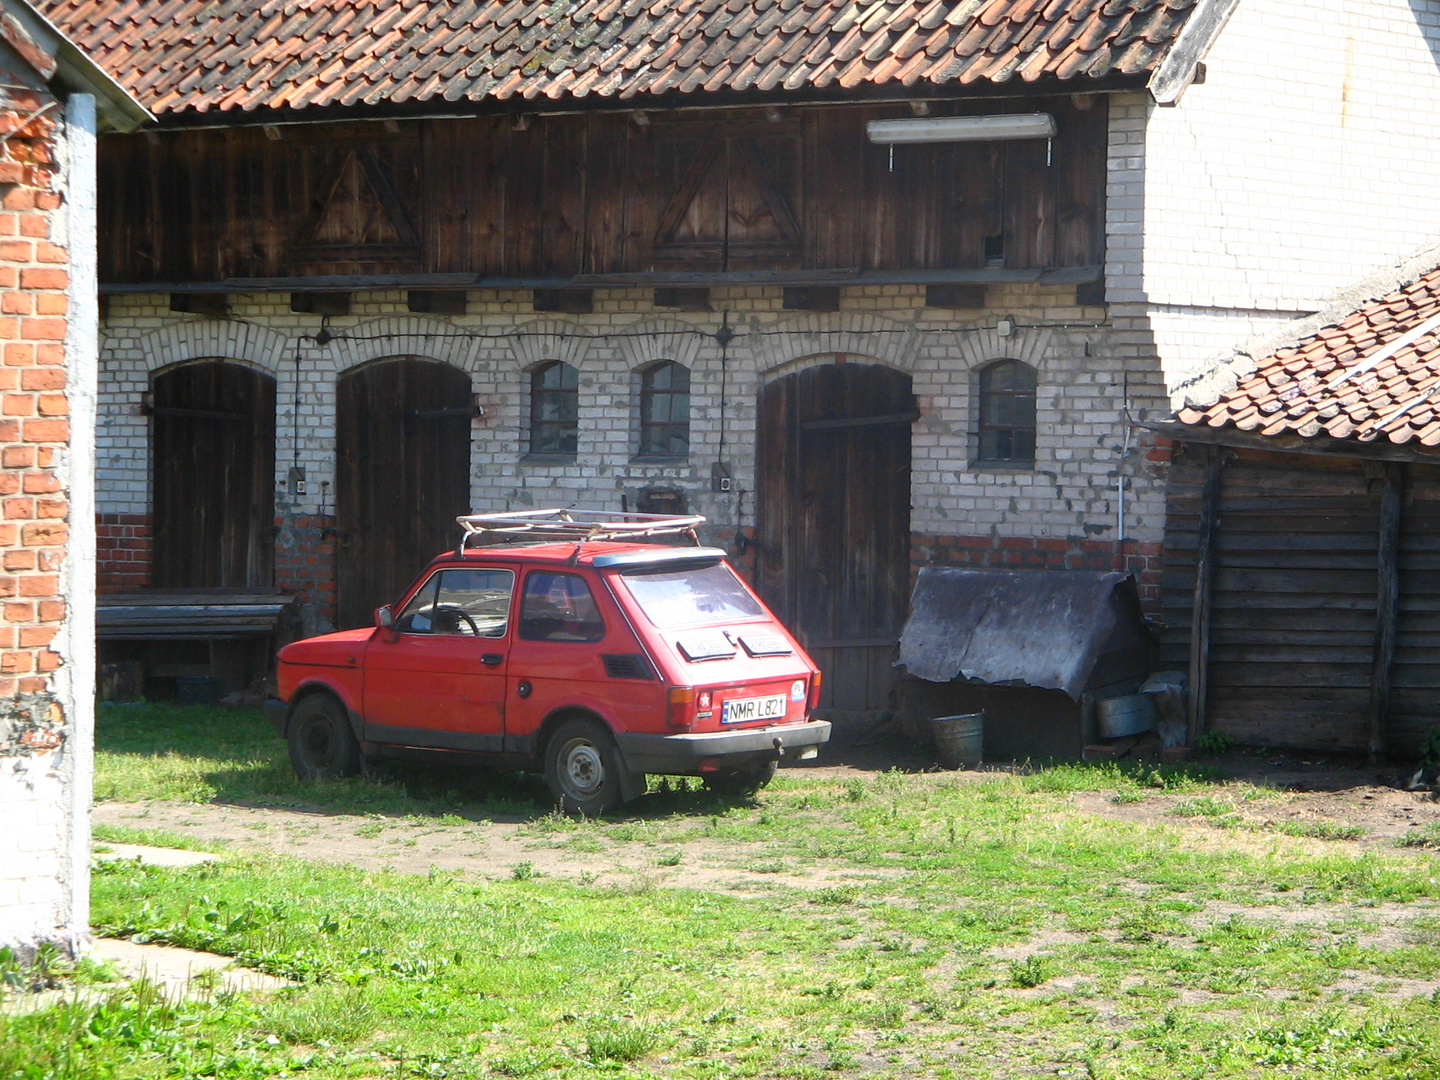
{"type": "Point", "coordinates": [1274, 793]}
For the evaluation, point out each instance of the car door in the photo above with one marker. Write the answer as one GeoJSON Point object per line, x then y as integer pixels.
{"type": "Point", "coordinates": [437, 678]}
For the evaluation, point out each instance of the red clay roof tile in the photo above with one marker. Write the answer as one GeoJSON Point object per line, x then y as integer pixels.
{"type": "Point", "coordinates": [1300, 384]}
{"type": "Point", "coordinates": [196, 56]}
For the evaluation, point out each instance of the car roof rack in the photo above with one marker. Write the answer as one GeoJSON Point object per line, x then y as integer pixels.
{"type": "Point", "coordinates": [577, 525]}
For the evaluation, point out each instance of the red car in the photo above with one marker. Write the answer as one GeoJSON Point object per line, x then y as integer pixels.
{"type": "Point", "coordinates": [564, 644]}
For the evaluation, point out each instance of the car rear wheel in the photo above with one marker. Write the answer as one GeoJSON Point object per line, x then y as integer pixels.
{"type": "Point", "coordinates": [743, 782]}
{"type": "Point", "coordinates": [582, 768]}
{"type": "Point", "coordinates": [322, 746]}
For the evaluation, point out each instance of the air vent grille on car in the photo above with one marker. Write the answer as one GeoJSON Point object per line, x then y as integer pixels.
{"type": "Point", "coordinates": [626, 666]}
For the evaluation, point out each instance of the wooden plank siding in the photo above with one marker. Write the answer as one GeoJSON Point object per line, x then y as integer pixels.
{"type": "Point", "coordinates": [833, 509]}
{"type": "Point", "coordinates": [599, 194]}
{"type": "Point", "coordinates": [1294, 616]}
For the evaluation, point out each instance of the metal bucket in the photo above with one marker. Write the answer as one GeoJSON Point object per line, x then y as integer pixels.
{"type": "Point", "coordinates": [1129, 715]}
{"type": "Point", "coordinates": [958, 739]}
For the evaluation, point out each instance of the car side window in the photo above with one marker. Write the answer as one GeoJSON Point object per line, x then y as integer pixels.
{"type": "Point", "coordinates": [559, 607]}
{"type": "Point", "coordinates": [470, 603]}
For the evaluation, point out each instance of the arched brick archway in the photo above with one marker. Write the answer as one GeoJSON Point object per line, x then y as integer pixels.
{"type": "Point", "coordinates": [833, 509]}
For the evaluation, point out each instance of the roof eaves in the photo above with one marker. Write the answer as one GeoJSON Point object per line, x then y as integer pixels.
{"type": "Point", "coordinates": [1177, 71]}
{"type": "Point", "coordinates": [117, 108]}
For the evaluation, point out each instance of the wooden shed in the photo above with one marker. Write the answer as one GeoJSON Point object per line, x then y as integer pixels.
{"type": "Point", "coordinates": [1035, 649]}
{"type": "Point", "coordinates": [1302, 548]}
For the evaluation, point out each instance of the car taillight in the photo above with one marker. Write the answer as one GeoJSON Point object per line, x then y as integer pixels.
{"type": "Point", "coordinates": [815, 690]}
{"type": "Point", "coordinates": [681, 711]}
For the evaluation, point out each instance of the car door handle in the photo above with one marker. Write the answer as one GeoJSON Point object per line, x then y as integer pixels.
{"type": "Point", "coordinates": [490, 659]}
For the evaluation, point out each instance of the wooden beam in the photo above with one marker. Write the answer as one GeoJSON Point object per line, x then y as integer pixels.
{"type": "Point", "coordinates": [1319, 446]}
{"type": "Point", "coordinates": [1200, 607]}
{"type": "Point", "coordinates": [1387, 606]}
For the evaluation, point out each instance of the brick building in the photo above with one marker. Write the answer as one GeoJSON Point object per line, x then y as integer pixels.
{"type": "Point", "coordinates": [1204, 236]}
{"type": "Point", "coordinates": [52, 101]}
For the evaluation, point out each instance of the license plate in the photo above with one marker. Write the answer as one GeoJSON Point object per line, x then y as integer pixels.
{"type": "Point", "coordinates": [741, 710]}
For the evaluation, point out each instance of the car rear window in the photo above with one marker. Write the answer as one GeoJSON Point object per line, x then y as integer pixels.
{"type": "Point", "coordinates": [691, 595]}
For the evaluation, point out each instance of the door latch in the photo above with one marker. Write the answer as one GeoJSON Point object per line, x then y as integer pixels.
{"type": "Point", "coordinates": [491, 659]}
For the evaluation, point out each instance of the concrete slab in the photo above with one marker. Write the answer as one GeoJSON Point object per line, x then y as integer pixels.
{"type": "Point", "coordinates": [155, 856]}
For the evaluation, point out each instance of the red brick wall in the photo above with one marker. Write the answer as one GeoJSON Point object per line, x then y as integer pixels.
{"type": "Point", "coordinates": [1144, 560]}
{"type": "Point", "coordinates": [34, 409]}
{"type": "Point", "coordinates": [305, 561]}
{"type": "Point", "coordinates": [122, 551]}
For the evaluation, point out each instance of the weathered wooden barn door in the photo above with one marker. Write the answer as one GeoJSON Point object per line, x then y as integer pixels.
{"type": "Point", "coordinates": [212, 438]}
{"type": "Point", "coordinates": [834, 520]}
{"type": "Point", "coordinates": [403, 475]}
{"type": "Point", "coordinates": [1293, 602]}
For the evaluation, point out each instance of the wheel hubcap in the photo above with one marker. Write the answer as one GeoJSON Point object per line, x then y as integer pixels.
{"type": "Point", "coordinates": [583, 771]}
{"type": "Point", "coordinates": [318, 745]}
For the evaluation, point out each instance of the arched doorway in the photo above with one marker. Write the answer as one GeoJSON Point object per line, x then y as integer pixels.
{"type": "Point", "coordinates": [403, 476]}
{"type": "Point", "coordinates": [833, 510]}
{"type": "Point", "coordinates": [212, 437]}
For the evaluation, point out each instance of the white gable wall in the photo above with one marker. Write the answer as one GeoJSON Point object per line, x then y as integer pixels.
{"type": "Point", "coordinates": [1304, 162]}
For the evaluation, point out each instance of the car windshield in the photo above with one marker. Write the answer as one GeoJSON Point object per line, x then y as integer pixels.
{"type": "Point", "coordinates": [694, 594]}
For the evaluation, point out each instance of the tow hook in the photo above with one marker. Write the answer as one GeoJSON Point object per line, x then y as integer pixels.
{"type": "Point", "coordinates": [779, 748]}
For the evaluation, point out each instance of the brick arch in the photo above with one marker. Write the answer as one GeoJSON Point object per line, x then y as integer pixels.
{"type": "Point", "coordinates": [800, 363]}
{"type": "Point", "coordinates": [985, 346]}
{"type": "Point", "coordinates": [659, 339]}
{"type": "Point", "coordinates": [391, 337]}
{"type": "Point", "coordinates": [229, 339]}
{"type": "Point", "coordinates": [548, 339]}
{"type": "Point", "coordinates": [879, 340]}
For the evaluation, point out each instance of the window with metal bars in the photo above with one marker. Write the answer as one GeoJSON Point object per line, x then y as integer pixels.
{"type": "Point", "coordinates": [1007, 414]}
{"type": "Point", "coordinates": [665, 410]}
{"type": "Point", "coordinates": [554, 408]}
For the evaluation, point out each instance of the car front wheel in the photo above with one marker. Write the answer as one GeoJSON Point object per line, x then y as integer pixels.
{"type": "Point", "coordinates": [582, 768]}
{"type": "Point", "coordinates": [322, 746]}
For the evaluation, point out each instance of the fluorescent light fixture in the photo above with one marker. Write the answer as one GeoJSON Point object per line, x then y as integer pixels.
{"type": "Point", "coordinates": [938, 129]}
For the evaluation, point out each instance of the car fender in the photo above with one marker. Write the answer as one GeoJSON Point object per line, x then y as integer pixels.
{"type": "Point", "coordinates": [345, 695]}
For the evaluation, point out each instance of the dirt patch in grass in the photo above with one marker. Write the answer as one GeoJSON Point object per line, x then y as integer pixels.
{"type": "Point", "coordinates": [1349, 810]}
{"type": "Point", "coordinates": [491, 849]}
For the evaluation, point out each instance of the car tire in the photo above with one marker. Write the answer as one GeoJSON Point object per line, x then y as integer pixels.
{"type": "Point", "coordinates": [582, 768]}
{"type": "Point", "coordinates": [322, 746]}
{"type": "Point", "coordinates": [743, 782]}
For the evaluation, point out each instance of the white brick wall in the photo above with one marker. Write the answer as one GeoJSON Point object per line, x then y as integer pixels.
{"type": "Point", "coordinates": [33, 850]}
{"type": "Point", "coordinates": [1070, 493]}
{"type": "Point", "coordinates": [1305, 162]}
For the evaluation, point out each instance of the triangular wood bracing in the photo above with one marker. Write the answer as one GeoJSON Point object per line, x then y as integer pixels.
{"type": "Point", "coordinates": [728, 210]}
{"type": "Point", "coordinates": [360, 217]}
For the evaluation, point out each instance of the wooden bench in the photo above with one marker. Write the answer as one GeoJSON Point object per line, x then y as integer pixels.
{"type": "Point", "coordinates": [227, 634]}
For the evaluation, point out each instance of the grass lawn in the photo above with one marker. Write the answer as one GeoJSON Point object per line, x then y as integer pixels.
{"type": "Point", "coordinates": [991, 928]}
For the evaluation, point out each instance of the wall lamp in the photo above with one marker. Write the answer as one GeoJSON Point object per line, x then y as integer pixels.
{"type": "Point", "coordinates": [942, 129]}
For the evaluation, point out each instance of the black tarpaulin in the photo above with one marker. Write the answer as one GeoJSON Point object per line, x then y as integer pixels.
{"type": "Point", "coordinates": [1042, 628]}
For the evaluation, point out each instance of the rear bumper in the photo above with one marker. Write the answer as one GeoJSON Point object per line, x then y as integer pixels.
{"type": "Point", "coordinates": [681, 754]}
{"type": "Point", "coordinates": [276, 711]}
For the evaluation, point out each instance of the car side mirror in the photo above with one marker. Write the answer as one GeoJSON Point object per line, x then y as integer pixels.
{"type": "Point", "coordinates": [385, 617]}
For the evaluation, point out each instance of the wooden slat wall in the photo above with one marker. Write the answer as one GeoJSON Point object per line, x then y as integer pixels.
{"type": "Point", "coordinates": [1293, 608]}
{"type": "Point", "coordinates": [585, 194]}
{"type": "Point", "coordinates": [1415, 677]}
